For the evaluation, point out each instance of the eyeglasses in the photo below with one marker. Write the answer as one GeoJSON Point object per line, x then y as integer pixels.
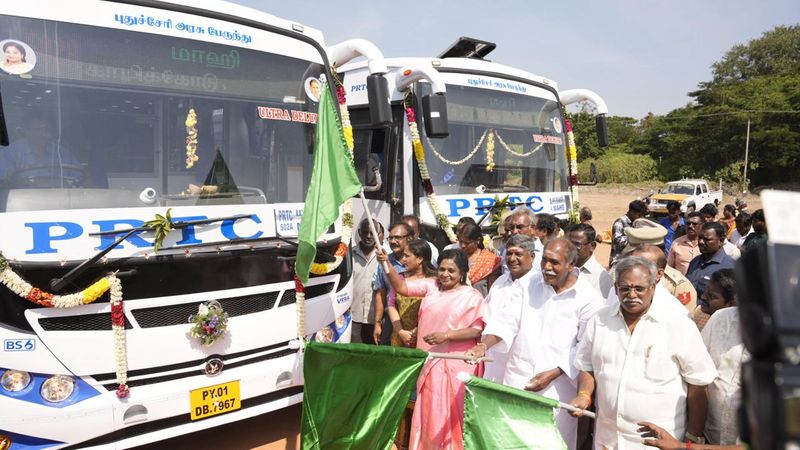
{"type": "Point", "coordinates": [578, 245]}
{"type": "Point", "coordinates": [397, 238]}
{"type": "Point", "coordinates": [625, 290]}
{"type": "Point", "coordinates": [693, 224]}
{"type": "Point", "coordinates": [517, 227]}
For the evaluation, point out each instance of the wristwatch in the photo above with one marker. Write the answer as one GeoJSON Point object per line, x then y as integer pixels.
{"type": "Point", "coordinates": [696, 439]}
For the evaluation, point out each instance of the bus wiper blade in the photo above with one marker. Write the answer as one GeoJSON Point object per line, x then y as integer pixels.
{"type": "Point", "coordinates": [239, 241]}
{"type": "Point", "coordinates": [57, 284]}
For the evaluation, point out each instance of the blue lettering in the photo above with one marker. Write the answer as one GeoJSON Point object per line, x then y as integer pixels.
{"type": "Point", "coordinates": [227, 229]}
{"type": "Point", "coordinates": [457, 204]}
{"type": "Point", "coordinates": [513, 200]}
{"type": "Point", "coordinates": [110, 225]}
{"type": "Point", "coordinates": [42, 237]}
{"type": "Point", "coordinates": [482, 205]}
{"type": "Point", "coordinates": [188, 236]}
{"type": "Point", "coordinates": [535, 200]}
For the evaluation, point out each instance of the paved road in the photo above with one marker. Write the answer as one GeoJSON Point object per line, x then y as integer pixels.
{"type": "Point", "coordinates": [278, 430]}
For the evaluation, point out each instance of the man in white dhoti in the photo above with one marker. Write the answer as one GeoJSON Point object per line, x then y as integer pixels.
{"type": "Point", "coordinates": [507, 291]}
{"type": "Point", "coordinates": [541, 332]}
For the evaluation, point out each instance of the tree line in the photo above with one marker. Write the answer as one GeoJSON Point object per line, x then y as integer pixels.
{"type": "Point", "coordinates": [758, 81]}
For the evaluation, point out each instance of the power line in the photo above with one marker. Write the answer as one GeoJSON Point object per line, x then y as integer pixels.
{"type": "Point", "coordinates": [733, 113]}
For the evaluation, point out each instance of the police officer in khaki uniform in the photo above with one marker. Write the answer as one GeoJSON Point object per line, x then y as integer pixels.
{"type": "Point", "coordinates": [645, 231]}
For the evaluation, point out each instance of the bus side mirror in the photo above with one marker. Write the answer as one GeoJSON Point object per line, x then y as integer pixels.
{"type": "Point", "coordinates": [434, 108]}
{"type": "Point", "coordinates": [380, 113]}
{"type": "Point", "coordinates": [602, 130]}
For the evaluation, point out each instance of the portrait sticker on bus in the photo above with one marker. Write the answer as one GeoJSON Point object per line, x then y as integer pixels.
{"type": "Point", "coordinates": [213, 400]}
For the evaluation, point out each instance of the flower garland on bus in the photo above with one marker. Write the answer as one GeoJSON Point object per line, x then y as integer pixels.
{"type": "Point", "coordinates": [511, 150]}
{"type": "Point", "coordinates": [462, 160]}
{"type": "Point", "coordinates": [419, 155]}
{"type": "Point", "coordinates": [490, 152]}
{"type": "Point", "coordinates": [191, 138]}
{"type": "Point", "coordinates": [110, 283]}
{"type": "Point", "coordinates": [118, 327]}
{"type": "Point", "coordinates": [572, 159]}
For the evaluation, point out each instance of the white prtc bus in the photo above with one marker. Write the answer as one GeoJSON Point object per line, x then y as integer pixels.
{"type": "Point", "coordinates": [112, 113]}
{"type": "Point", "coordinates": [501, 132]}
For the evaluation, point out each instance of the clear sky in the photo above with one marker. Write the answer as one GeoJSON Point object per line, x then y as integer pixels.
{"type": "Point", "coordinates": [640, 55]}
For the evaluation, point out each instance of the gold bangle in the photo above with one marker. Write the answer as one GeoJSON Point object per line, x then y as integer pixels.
{"type": "Point", "coordinates": [585, 394]}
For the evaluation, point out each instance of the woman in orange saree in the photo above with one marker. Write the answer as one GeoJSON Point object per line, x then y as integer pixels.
{"type": "Point", "coordinates": [484, 265]}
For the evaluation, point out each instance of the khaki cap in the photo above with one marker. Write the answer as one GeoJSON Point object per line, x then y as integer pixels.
{"type": "Point", "coordinates": [644, 231]}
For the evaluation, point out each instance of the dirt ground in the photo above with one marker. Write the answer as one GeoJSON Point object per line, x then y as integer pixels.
{"type": "Point", "coordinates": [279, 430]}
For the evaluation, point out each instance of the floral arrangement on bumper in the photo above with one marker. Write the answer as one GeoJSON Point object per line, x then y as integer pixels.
{"type": "Point", "coordinates": [419, 155]}
{"type": "Point", "coordinates": [210, 323]}
{"type": "Point", "coordinates": [109, 283]}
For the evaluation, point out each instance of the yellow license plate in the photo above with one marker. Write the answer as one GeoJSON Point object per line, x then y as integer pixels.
{"type": "Point", "coordinates": [213, 400]}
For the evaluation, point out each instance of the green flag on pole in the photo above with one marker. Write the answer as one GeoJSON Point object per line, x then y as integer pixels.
{"type": "Point", "coordinates": [498, 416]}
{"type": "Point", "coordinates": [333, 181]}
{"type": "Point", "coordinates": [355, 394]}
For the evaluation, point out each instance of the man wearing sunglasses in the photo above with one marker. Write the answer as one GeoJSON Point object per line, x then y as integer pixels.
{"type": "Point", "coordinates": [685, 248]}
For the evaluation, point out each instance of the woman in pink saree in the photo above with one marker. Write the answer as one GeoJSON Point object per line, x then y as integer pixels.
{"type": "Point", "coordinates": [451, 318]}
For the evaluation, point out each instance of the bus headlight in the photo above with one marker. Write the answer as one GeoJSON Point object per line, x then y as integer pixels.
{"type": "Point", "coordinates": [15, 380]}
{"type": "Point", "coordinates": [57, 388]}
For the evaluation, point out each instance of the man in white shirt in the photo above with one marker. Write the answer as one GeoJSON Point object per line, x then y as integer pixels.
{"type": "Point", "coordinates": [643, 363]}
{"type": "Point", "coordinates": [523, 222]}
{"type": "Point", "coordinates": [662, 295]}
{"type": "Point", "coordinates": [510, 289]}
{"type": "Point", "coordinates": [583, 237]}
{"type": "Point", "coordinates": [541, 332]}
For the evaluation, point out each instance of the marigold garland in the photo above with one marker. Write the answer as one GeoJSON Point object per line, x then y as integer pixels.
{"type": "Point", "coordinates": [109, 283]}
{"type": "Point", "coordinates": [490, 151]}
{"type": "Point", "coordinates": [419, 155]}
{"type": "Point", "coordinates": [191, 138]}
{"type": "Point", "coordinates": [572, 159]}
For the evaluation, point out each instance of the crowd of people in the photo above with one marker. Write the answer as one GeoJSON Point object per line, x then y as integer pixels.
{"type": "Point", "coordinates": [652, 344]}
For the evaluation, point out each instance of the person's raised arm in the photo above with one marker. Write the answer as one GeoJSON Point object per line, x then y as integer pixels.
{"type": "Point", "coordinates": [398, 283]}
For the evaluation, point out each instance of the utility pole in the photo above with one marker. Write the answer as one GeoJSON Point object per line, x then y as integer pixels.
{"type": "Point", "coordinates": [746, 154]}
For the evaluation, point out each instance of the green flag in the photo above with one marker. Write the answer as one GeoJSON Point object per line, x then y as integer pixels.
{"type": "Point", "coordinates": [497, 416]}
{"type": "Point", "coordinates": [355, 394]}
{"type": "Point", "coordinates": [333, 180]}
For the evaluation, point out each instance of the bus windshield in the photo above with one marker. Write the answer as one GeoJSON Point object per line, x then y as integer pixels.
{"type": "Point", "coordinates": [104, 118]}
{"type": "Point", "coordinates": [499, 141]}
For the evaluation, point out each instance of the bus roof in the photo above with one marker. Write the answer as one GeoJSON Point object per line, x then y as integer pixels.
{"type": "Point", "coordinates": [469, 64]}
{"type": "Point", "coordinates": [234, 9]}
